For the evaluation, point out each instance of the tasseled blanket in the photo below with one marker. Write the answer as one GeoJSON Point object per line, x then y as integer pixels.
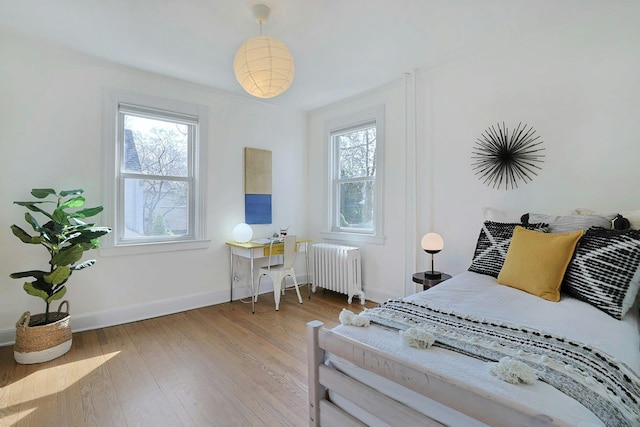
{"type": "Point", "coordinates": [608, 388]}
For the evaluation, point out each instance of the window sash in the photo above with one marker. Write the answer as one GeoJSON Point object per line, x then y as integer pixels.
{"type": "Point", "coordinates": [157, 113]}
{"type": "Point", "coordinates": [336, 223]}
{"type": "Point", "coordinates": [191, 138]}
{"type": "Point", "coordinates": [340, 207]}
{"type": "Point", "coordinates": [373, 116]}
{"type": "Point", "coordinates": [123, 176]}
{"type": "Point", "coordinates": [336, 137]}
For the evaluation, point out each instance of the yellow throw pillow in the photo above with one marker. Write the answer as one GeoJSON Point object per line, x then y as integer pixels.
{"type": "Point", "coordinates": [536, 261]}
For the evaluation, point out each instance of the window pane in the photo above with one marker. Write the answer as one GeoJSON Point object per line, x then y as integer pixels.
{"type": "Point", "coordinates": [155, 147]}
{"type": "Point", "coordinates": [155, 208]}
{"type": "Point", "coordinates": [356, 205]}
{"type": "Point", "coordinates": [357, 153]}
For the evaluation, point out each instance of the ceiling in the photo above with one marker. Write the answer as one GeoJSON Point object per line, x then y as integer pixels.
{"type": "Point", "coordinates": [340, 47]}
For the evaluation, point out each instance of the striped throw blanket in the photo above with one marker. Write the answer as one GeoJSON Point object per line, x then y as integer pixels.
{"type": "Point", "coordinates": [608, 388]}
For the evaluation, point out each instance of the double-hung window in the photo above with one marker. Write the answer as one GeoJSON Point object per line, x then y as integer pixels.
{"type": "Point", "coordinates": [158, 186]}
{"type": "Point", "coordinates": [355, 153]}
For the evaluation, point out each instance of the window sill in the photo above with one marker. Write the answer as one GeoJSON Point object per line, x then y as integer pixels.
{"type": "Point", "coordinates": [354, 237]}
{"type": "Point", "coordinates": [151, 248]}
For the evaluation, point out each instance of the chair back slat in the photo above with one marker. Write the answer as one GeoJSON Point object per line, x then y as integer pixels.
{"type": "Point", "coordinates": [289, 251]}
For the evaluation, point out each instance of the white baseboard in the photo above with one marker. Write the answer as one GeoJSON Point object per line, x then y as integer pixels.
{"type": "Point", "coordinates": [370, 296]}
{"type": "Point", "coordinates": [380, 296]}
{"type": "Point", "coordinates": [7, 337]}
{"type": "Point", "coordinates": [134, 313]}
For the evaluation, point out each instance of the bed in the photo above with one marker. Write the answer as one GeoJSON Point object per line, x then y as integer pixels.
{"type": "Point", "coordinates": [584, 348]}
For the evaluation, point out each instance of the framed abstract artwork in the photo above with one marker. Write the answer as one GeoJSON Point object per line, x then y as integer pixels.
{"type": "Point", "coordinates": [257, 186]}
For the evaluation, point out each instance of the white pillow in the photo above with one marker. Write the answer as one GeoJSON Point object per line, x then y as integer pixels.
{"type": "Point", "coordinates": [498, 215]}
{"type": "Point", "coordinates": [569, 223]}
{"type": "Point", "coordinates": [583, 211]}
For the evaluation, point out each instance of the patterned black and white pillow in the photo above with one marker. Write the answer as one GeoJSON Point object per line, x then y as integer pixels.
{"type": "Point", "coordinates": [493, 243]}
{"type": "Point", "coordinates": [605, 271]}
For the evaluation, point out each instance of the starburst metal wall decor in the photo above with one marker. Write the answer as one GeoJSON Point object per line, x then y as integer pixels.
{"type": "Point", "coordinates": [504, 158]}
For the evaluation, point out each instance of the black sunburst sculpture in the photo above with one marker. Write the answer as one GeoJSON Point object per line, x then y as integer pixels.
{"type": "Point", "coordinates": [503, 158]}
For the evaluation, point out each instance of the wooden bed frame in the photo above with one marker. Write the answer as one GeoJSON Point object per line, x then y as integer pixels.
{"type": "Point", "coordinates": [322, 378]}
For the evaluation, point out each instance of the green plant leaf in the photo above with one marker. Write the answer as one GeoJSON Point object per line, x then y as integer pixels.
{"type": "Point", "coordinates": [60, 216]}
{"type": "Point", "coordinates": [28, 288]}
{"type": "Point", "coordinates": [81, 223]}
{"type": "Point", "coordinates": [52, 227]}
{"type": "Point", "coordinates": [67, 256]}
{"type": "Point", "coordinates": [41, 193]}
{"type": "Point", "coordinates": [24, 236]}
{"type": "Point", "coordinates": [42, 285]}
{"type": "Point", "coordinates": [32, 207]}
{"type": "Point", "coordinates": [58, 294]}
{"type": "Point", "coordinates": [75, 202]}
{"type": "Point", "coordinates": [87, 236]}
{"type": "Point", "coordinates": [86, 213]}
{"type": "Point", "coordinates": [65, 193]}
{"type": "Point", "coordinates": [84, 264]}
{"type": "Point", "coordinates": [37, 274]}
{"type": "Point", "coordinates": [79, 226]}
{"type": "Point", "coordinates": [58, 275]}
{"type": "Point", "coordinates": [48, 239]}
{"type": "Point", "coordinates": [68, 237]}
{"type": "Point", "coordinates": [32, 220]}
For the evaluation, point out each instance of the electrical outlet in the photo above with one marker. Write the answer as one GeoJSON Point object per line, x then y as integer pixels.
{"type": "Point", "coordinates": [236, 277]}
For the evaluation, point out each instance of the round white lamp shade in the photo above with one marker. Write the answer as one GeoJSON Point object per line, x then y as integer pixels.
{"type": "Point", "coordinates": [242, 233]}
{"type": "Point", "coordinates": [432, 242]}
{"type": "Point", "coordinates": [264, 67]}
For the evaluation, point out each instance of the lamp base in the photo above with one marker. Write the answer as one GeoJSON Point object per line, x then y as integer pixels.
{"type": "Point", "coordinates": [433, 275]}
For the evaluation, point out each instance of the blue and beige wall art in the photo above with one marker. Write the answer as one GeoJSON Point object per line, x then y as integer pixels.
{"type": "Point", "coordinates": [257, 186]}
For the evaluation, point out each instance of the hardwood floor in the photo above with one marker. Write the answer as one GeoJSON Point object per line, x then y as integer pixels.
{"type": "Point", "coordinates": [214, 366]}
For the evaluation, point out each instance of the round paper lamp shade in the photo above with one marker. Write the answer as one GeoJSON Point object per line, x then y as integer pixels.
{"type": "Point", "coordinates": [242, 233]}
{"type": "Point", "coordinates": [264, 67]}
{"type": "Point", "coordinates": [432, 242]}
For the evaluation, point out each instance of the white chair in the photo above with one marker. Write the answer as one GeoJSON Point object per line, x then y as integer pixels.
{"type": "Point", "coordinates": [279, 272]}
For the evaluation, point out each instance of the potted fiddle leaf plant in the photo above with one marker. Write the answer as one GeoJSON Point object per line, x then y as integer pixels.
{"type": "Point", "coordinates": [66, 236]}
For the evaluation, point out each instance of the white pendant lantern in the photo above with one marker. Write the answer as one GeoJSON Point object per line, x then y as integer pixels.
{"type": "Point", "coordinates": [263, 65]}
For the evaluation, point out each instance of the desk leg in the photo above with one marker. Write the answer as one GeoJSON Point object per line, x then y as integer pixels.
{"type": "Point", "coordinates": [253, 309]}
{"type": "Point", "coordinates": [306, 259]}
{"type": "Point", "coordinates": [232, 274]}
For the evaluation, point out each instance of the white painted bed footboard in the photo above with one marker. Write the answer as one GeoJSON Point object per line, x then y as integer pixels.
{"type": "Point", "coordinates": [323, 378]}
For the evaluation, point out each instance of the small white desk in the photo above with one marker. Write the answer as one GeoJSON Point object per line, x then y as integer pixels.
{"type": "Point", "coordinates": [251, 251]}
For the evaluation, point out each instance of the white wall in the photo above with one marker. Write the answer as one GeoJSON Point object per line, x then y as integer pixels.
{"type": "Point", "coordinates": [577, 86]}
{"type": "Point", "coordinates": [383, 264]}
{"type": "Point", "coordinates": [50, 116]}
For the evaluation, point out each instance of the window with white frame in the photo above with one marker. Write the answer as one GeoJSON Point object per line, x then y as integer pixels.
{"type": "Point", "coordinates": [356, 176]}
{"type": "Point", "coordinates": [158, 187]}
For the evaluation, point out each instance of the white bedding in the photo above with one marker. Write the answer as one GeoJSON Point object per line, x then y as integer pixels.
{"type": "Point", "coordinates": [480, 295]}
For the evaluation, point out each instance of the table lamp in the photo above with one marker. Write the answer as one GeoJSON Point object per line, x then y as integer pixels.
{"type": "Point", "coordinates": [242, 233]}
{"type": "Point", "coordinates": [432, 243]}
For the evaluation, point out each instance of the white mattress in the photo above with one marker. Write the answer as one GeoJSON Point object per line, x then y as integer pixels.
{"type": "Point", "coordinates": [481, 296]}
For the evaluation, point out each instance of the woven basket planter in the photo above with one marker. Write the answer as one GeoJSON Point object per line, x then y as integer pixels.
{"type": "Point", "coordinates": [37, 344]}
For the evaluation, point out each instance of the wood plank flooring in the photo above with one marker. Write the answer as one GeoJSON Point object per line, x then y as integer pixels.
{"type": "Point", "coordinates": [214, 366]}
